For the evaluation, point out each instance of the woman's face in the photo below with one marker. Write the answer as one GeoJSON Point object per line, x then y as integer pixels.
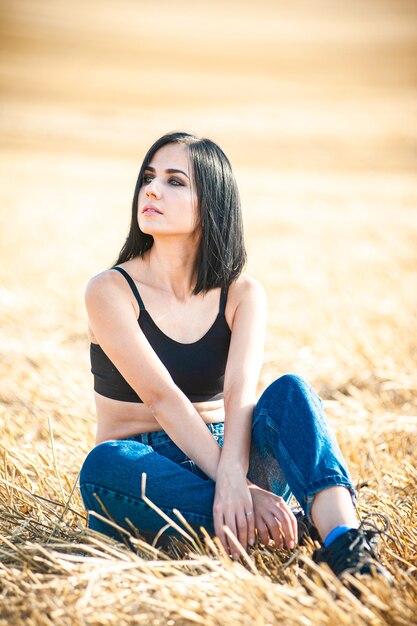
{"type": "Point", "coordinates": [167, 201]}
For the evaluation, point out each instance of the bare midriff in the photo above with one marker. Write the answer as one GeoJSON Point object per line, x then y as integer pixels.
{"type": "Point", "coordinates": [117, 420]}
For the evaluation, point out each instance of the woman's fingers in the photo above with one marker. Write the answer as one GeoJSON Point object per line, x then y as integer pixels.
{"type": "Point", "coordinates": [294, 527]}
{"type": "Point", "coordinates": [245, 528]}
{"type": "Point", "coordinates": [221, 520]}
{"type": "Point", "coordinates": [293, 523]}
{"type": "Point", "coordinates": [250, 518]}
{"type": "Point", "coordinates": [283, 515]}
{"type": "Point", "coordinates": [242, 529]}
{"type": "Point", "coordinates": [263, 531]}
{"type": "Point", "coordinates": [276, 525]}
{"type": "Point", "coordinates": [233, 507]}
{"type": "Point", "coordinates": [275, 520]}
{"type": "Point", "coordinates": [275, 531]}
{"type": "Point", "coordinates": [218, 527]}
{"type": "Point", "coordinates": [230, 522]}
{"type": "Point", "coordinates": [241, 526]}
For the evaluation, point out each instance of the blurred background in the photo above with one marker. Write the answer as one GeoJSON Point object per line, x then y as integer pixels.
{"type": "Point", "coordinates": [315, 103]}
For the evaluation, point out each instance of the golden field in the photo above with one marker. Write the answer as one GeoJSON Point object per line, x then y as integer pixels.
{"type": "Point", "coordinates": [316, 105]}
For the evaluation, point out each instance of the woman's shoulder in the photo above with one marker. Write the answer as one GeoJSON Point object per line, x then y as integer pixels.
{"type": "Point", "coordinates": [100, 281]}
{"type": "Point", "coordinates": [245, 286]}
{"type": "Point", "coordinates": [246, 302]}
{"type": "Point", "coordinates": [245, 294]}
{"type": "Point", "coordinates": [109, 295]}
{"type": "Point", "coordinates": [104, 285]}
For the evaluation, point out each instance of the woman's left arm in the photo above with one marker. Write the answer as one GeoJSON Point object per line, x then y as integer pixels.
{"type": "Point", "coordinates": [233, 499]}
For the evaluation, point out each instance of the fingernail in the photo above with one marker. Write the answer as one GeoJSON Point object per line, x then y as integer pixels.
{"type": "Point", "coordinates": [251, 541]}
{"type": "Point", "coordinates": [235, 556]}
{"type": "Point", "coordinates": [291, 545]}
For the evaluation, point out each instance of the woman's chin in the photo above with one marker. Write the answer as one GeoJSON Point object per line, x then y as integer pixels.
{"type": "Point", "coordinates": [149, 229]}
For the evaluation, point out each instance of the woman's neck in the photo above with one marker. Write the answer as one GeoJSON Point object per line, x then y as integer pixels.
{"type": "Point", "coordinates": [172, 265]}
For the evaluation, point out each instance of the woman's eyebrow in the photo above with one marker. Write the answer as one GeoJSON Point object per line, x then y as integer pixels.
{"type": "Point", "coordinates": [168, 171]}
{"type": "Point", "coordinates": [174, 171]}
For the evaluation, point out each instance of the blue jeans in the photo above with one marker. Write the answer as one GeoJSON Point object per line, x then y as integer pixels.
{"type": "Point", "coordinates": [293, 452]}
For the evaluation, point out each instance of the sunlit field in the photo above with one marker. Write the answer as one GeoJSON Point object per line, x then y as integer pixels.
{"type": "Point", "coordinates": [316, 105]}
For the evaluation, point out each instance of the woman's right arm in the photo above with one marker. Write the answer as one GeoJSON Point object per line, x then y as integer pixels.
{"type": "Point", "coordinates": [112, 318]}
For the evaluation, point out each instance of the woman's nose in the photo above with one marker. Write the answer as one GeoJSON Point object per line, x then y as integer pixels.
{"type": "Point", "coordinates": [152, 190]}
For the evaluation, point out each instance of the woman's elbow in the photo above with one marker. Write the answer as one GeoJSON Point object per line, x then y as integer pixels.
{"type": "Point", "coordinates": [240, 391]}
{"type": "Point", "coordinates": [162, 402]}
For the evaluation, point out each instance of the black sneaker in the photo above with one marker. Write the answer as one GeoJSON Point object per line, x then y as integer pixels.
{"type": "Point", "coordinates": [354, 552]}
{"type": "Point", "coordinates": [305, 528]}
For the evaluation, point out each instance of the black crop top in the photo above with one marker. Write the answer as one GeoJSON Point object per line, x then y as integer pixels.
{"type": "Point", "coordinates": [196, 368]}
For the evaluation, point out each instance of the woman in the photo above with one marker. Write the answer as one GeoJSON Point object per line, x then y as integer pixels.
{"type": "Point", "coordinates": [177, 334]}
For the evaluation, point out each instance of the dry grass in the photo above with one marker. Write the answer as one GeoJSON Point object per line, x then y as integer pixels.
{"type": "Point", "coordinates": [321, 128]}
{"type": "Point", "coordinates": [53, 571]}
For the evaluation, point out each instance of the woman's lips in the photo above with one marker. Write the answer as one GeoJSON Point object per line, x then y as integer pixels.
{"type": "Point", "coordinates": [150, 209]}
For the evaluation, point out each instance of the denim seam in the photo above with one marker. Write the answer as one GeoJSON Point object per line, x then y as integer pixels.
{"type": "Point", "coordinates": [283, 451]}
{"type": "Point", "coordinates": [195, 517]}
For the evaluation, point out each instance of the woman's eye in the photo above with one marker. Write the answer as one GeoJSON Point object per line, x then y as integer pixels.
{"type": "Point", "coordinates": [147, 179]}
{"type": "Point", "coordinates": [175, 182]}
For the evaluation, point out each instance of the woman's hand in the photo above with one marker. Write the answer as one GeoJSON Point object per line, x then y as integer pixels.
{"type": "Point", "coordinates": [233, 507]}
{"type": "Point", "coordinates": [273, 518]}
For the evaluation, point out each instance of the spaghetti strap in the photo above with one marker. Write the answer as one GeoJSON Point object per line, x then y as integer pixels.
{"type": "Point", "coordinates": [131, 284]}
{"type": "Point", "coordinates": [223, 300]}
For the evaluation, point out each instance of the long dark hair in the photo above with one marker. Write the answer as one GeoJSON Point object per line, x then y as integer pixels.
{"type": "Point", "coordinates": [221, 255]}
